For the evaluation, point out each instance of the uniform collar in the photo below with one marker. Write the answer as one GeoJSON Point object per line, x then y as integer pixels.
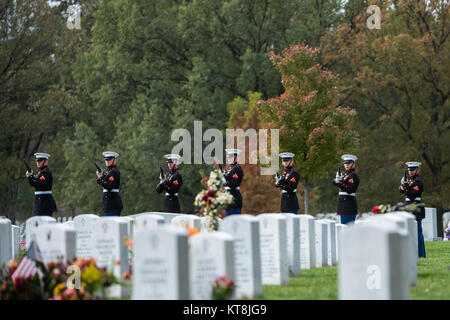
{"type": "Point", "coordinates": [43, 168]}
{"type": "Point", "coordinates": [350, 171]}
{"type": "Point", "coordinates": [112, 167]}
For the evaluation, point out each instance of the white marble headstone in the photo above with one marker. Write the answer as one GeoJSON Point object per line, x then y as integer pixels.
{"type": "Point", "coordinates": [109, 249]}
{"type": "Point", "coordinates": [83, 225]}
{"type": "Point", "coordinates": [56, 242]}
{"type": "Point", "coordinates": [6, 244]}
{"type": "Point", "coordinates": [273, 248]}
{"type": "Point", "coordinates": [211, 255]}
{"type": "Point", "coordinates": [293, 242]}
{"type": "Point", "coordinates": [307, 242]}
{"type": "Point", "coordinates": [411, 229]}
{"type": "Point", "coordinates": [15, 241]}
{"type": "Point", "coordinates": [372, 263]}
{"type": "Point", "coordinates": [168, 216]}
{"type": "Point", "coordinates": [245, 231]}
{"type": "Point", "coordinates": [331, 242]}
{"type": "Point", "coordinates": [321, 243]}
{"type": "Point", "coordinates": [191, 220]}
{"type": "Point", "coordinates": [161, 264]}
{"type": "Point", "coordinates": [339, 230]}
{"type": "Point", "coordinates": [32, 224]}
{"type": "Point", "coordinates": [148, 221]}
{"type": "Point", "coordinates": [429, 225]}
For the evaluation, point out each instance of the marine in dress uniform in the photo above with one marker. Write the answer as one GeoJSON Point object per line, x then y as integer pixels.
{"type": "Point", "coordinates": [110, 181]}
{"type": "Point", "coordinates": [233, 178]}
{"type": "Point", "coordinates": [348, 184]}
{"type": "Point", "coordinates": [288, 182]}
{"type": "Point", "coordinates": [171, 184]}
{"type": "Point", "coordinates": [412, 188]}
{"type": "Point", "coordinates": [44, 204]}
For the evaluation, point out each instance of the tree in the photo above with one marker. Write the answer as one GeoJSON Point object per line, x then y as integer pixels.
{"type": "Point", "coordinates": [311, 123]}
{"type": "Point", "coordinates": [398, 77]}
{"type": "Point", "coordinates": [29, 70]}
{"type": "Point", "coordinates": [258, 192]}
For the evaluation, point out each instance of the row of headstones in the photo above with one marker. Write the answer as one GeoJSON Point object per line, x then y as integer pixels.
{"type": "Point", "coordinates": [64, 219]}
{"type": "Point", "coordinates": [429, 223]}
{"type": "Point", "coordinates": [264, 250]}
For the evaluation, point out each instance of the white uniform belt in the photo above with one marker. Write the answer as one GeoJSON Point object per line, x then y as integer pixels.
{"type": "Point", "coordinates": [415, 199]}
{"type": "Point", "coordinates": [284, 191]}
{"type": "Point", "coordinates": [228, 188]}
{"type": "Point", "coordinates": [342, 193]}
{"type": "Point", "coordinates": [42, 192]}
{"type": "Point", "coordinates": [168, 194]}
{"type": "Point", "coordinates": [112, 190]}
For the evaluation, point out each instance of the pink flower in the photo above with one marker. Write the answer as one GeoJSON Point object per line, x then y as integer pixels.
{"type": "Point", "coordinates": [22, 244]}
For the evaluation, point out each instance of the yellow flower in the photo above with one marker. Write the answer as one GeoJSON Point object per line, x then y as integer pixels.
{"type": "Point", "coordinates": [91, 274]}
{"type": "Point", "coordinates": [59, 287]}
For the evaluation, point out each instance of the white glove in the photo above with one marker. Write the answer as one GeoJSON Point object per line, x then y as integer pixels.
{"type": "Point", "coordinates": [224, 181]}
{"type": "Point", "coordinates": [277, 179]}
{"type": "Point", "coordinates": [99, 174]}
{"type": "Point", "coordinates": [403, 181]}
{"type": "Point", "coordinates": [29, 173]}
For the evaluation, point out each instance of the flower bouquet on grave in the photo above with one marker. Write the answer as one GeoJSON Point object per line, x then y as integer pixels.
{"type": "Point", "coordinates": [381, 208]}
{"type": "Point", "coordinates": [447, 232]}
{"type": "Point", "coordinates": [414, 208]}
{"type": "Point", "coordinates": [79, 280]}
{"type": "Point", "coordinates": [223, 289]}
{"type": "Point", "coordinates": [212, 199]}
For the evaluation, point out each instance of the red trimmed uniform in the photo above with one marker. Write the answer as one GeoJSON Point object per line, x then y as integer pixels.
{"type": "Point", "coordinates": [347, 203]}
{"type": "Point", "coordinates": [111, 201]}
{"type": "Point", "coordinates": [288, 184]}
{"type": "Point", "coordinates": [233, 179]}
{"type": "Point", "coordinates": [413, 192]}
{"type": "Point", "coordinates": [44, 204]}
{"type": "Point", "coordinates": [171, 186]}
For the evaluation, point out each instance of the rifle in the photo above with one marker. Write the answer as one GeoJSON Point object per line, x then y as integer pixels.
{"type": "Point", "coordinates": [338, 174]}
{"type": "Point", "coordinates": [405, 178]}
{"type": "Point", "coordinates": [98, 168]}
{"type": "Point", "coordinates": [162, 172]}
{"type": "Point", "coordinates": [28, 167]}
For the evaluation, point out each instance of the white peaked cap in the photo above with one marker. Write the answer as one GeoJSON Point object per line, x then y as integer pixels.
{"type": "Point", "coordinates": [231, 152]}
{"type": "Point", "coordinates": [110, 154]}
{"type": "Point", "coordinates": [172, 157]}
{"type": "Point", "coordinates": [349, 157]}
{"type": "Point", "coordinates": [286, 155]}
{"type": "Point", "coordinates": [41, 155]}
{"type": "Point", "coordinates": [413, 164]}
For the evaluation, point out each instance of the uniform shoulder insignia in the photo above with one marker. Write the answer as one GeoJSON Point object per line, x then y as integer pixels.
{"type": "Point", "coordinates": [235, 176]}
{"type": "Point", "coordinates": [175, 182]}
{"type": "Point", "coordinates": [42, 178]}
{"type": "Point", "coordinates": [111, 178]}
{"type": "Point", "coordinates": [351, 180]}
{"type": "Point", "coordinates": [416, 188]}
{"type": "Point", "coordinates": [292, 179]}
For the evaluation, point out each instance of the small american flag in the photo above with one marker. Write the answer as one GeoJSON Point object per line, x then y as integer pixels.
{"type": "Point", "coordinates": [27, 265]}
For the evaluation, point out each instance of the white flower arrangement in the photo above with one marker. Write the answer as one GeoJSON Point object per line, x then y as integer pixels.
{"type": "Point", "coordinates": [213, 199]}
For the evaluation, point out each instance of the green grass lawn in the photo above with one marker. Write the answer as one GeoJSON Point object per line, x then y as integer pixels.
{"type": "Point", "coordinates": [433, 279]}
